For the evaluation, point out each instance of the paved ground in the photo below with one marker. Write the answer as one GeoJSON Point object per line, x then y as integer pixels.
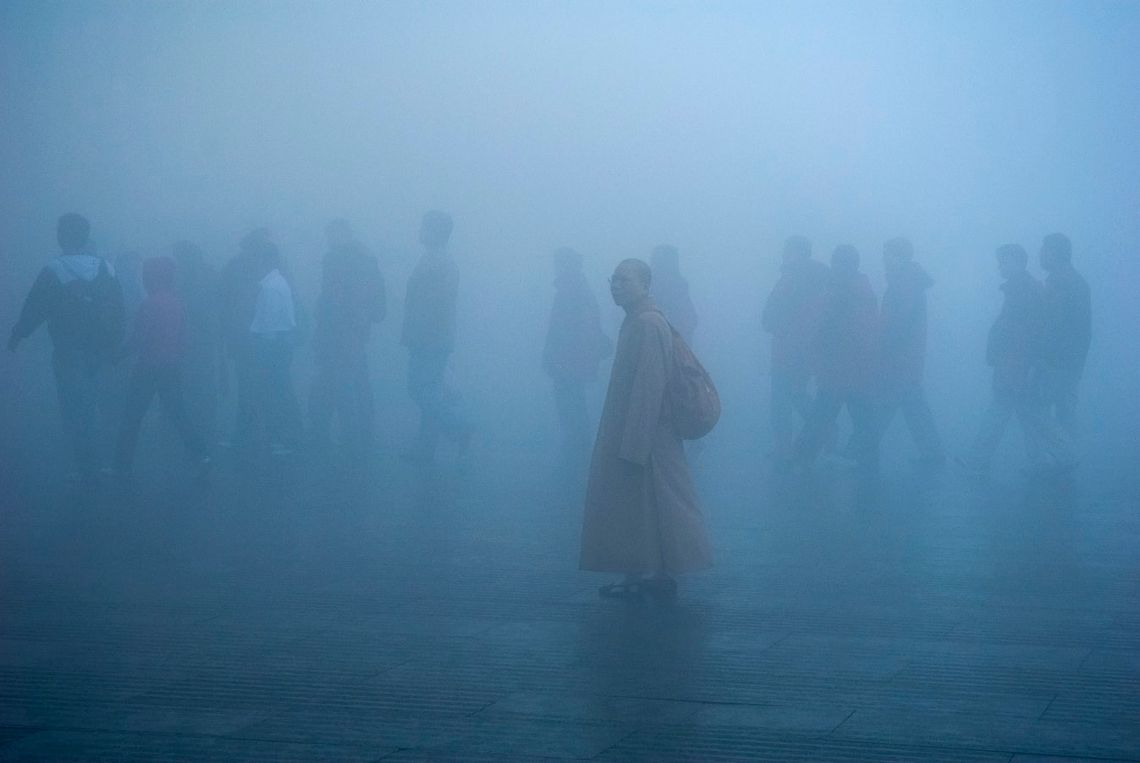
{"type": "Point", "coordinates": [389, 613]}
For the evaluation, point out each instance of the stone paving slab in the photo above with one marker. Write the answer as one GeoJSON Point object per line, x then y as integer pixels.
{"type": "Point", "coordinates": [270, 618]}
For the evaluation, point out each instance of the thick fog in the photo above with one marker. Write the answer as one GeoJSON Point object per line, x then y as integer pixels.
{"type": "Point", "coordinates": [720, 128]}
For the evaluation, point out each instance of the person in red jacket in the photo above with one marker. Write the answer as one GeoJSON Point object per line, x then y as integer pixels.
{"type": "Point", "coordinates": [902, 349]}
{"type": "Point", "coordinates": [158, 344]}
{"type": "Point", "coordinates": [845, 347]}
{"type": "Point", "coordinates": [792, 315]}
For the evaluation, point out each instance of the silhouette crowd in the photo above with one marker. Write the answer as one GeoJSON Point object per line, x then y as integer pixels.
{"type": "Point", "coordinates": [174, 328]}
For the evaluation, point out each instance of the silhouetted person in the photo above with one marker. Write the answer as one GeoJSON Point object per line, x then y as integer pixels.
{"type": "Point", "coordinates": [642, 516]}
{"type": "Point", "coordinates": [196, 284]}
{"type": "Point", "coordinates": [846, 347]}
{"type": "Point", "coordinates": [670, 291]}
{"type": "Point", "coordinates": [1015, 350]}
{"type": "Point", "coordinates": [158, 342]}
{"type": "Point", "coordinates": [575, 345]}
{"type": "Point", "coordinates": [81, 301]}
{"type": "Point", "coordinates": [429, 334]}
{"type": "Point", "coordinates": [1068, 329]}
{"type": "Point", "coordinates": [238, 289]}
{"type": "Point", "coordinates": [792, 315]}
{"type": "Point", "coordinates": [352, 299]}
{"type": "Point", "coordinates": [272, 339]}
{"type": "Point", "coordinates": [902, 349]}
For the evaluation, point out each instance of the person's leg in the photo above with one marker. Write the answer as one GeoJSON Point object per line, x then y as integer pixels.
{"type": "Point", "coordinates": [76, 377]}
{"type": "Point", "coordinates": [864, 429]}
{"type": "Point", "coordinates": [283, 414]}
{"type": "Point", "coordinates": [250, 388]}
{"type": "Point", "coordinates": [425, 387]}
{"type": "Point", "coordinates": [169, 387]}
{"type": "Point", "coordinates": [790, 409]}
{"type": "Point", "coordinates": [355, 409]}
{"type": "Point", "coordinates": [993, 424]}
{"type": "Point", "coordinates": [1065, 385]}
{"type": "Point", "coordinates": [570, 401]}
{"type": "Point", "coordinates": [322, 402]}
{"type": "Point", "coordinates": [1047, 445]}
{"type": "Point", "coordinates": [140, 391]}
{"type": "Point", "coordinates": [920, 422]}
{"type": "Point", "coordinates": [820, 422]}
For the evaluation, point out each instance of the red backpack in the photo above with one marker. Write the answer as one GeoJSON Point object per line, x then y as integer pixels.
{"type": "Point", "coordinates": [693, 399]}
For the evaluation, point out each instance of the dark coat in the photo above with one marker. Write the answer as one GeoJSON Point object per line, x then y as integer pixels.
{"type": "Point", "coordinates": [1068, 321]}
{"type": "Point", "coordinates": [429, 307]}
{"type": "Point", "coordinates": [1015, 341]}
{"type": "Point", "coordinates": [902, 326]}
{"type": "Point", "coordinates": [847, 335]}
{"type": "Point", "coordinates": [575, 343]}
{"type": "Point", "coordinates": [793, 313]}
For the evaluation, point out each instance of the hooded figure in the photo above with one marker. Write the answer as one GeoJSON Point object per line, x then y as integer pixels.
{"type": "Point", "coordinates": [902, 348]}
{"type": "Point", "coordinates": [158, 343]}
{"type": "Point", "coordinates": [80, 299]}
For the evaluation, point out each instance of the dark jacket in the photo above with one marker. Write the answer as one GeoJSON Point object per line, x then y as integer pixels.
{"type": "Point", "coordinates": [575, 343]}
{"type": "Point", "coordinates": [429, 308]}
{"type": "Point", "coordinates": [81, 301]}
{"type": "Point", "coordinates": [352, 299]}
{"type": "Point", "coordinates": [902, 326]}
{"type": "Point", "coordinates": [1068, 320]}
{"type": "Point", "coordinates": [793, 313]}
{"type": "Point", "coordinates": [1014, 346]}
{"type": "Point", "coordinates": [846, 341]}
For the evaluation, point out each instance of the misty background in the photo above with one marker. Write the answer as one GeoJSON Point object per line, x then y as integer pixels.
{"type": "Point", "coordinates": [721, 128]}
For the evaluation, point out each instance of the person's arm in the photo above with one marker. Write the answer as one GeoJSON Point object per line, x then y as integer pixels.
{"type": "Point", "coordinates": [37, 307]}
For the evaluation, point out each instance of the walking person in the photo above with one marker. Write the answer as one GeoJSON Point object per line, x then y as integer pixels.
{"type": "Point", "coordinates": [792, 315]}
{"type": "Point", "coordinates": [902, 350]}
{"type": "Point", "coordinates": [1067, 331]}
{"type": "Point", "coordinates": [352, 299]}
{"type": "Point", "coordinates": [429, 334]}
{"type": "Point", "coordinates": [78, 297]}
{"type": "Point", "coordinates": [575, 346]}
{"type": "Point", "coordinates": [846, 347]}
{"type": "Point", "coordinates": [1015, 352]}
{"type": "Point", "coordinates": [158, 342]}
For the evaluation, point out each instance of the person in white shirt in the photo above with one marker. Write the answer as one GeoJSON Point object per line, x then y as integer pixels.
{"type": "Point", "coordinates": [272, 337]}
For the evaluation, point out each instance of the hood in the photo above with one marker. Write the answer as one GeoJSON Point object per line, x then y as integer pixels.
{"type": "Point", "coordinates": [158, 274]}
{"type": "Point", "coordinates": [71, 267]}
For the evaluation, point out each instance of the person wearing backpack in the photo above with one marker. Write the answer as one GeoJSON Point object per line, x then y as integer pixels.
{"type": "Point", "coordinates": [642, 516]}
{"type": "Point", "coordinates": [80, 299]}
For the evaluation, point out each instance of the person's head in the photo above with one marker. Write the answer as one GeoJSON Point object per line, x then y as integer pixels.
{"type": "Point", "coordinates": [845, 260]}
{"type": "Point", "coordinates": [1012, 259]}
{"type": "Point", "coordinates": [897, 254]}
{"type": "Point", "coordinates": [435, 230]}
{"type": "Point", "coordinates": [339, 233]}
{"type": "Point", "coordinates": [797, 249]}
{"type": "Point", "coordinates": [1056, 252]}
{"type": "Point", "coordinates": [630, 282]}
{"type": "Point", "coordinates": [252, 241]}
{"type": "Point", "coordinates": [665, 259]}
{"type": "Point", "coordinates": [158, 274]}
{"type": "Point", "coordinates": [567, 260]}
{"type": "Point", "coordinates": [72, 231]}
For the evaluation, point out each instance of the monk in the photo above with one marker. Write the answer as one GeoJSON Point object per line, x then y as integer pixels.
{"type": "Point", "coordinates": [642, 515]}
